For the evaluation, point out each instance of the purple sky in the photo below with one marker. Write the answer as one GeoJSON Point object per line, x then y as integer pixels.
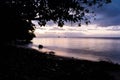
{"type": "Point", "coordinates": [109, 14]}
{"type": "Point", "coordinates": [107, 24]}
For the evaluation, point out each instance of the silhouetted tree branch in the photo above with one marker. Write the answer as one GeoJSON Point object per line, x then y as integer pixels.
{"type": "Point", "coordinates": [16, 15]}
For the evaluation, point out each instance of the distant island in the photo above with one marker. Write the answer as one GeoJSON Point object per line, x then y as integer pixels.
{"type": "Point", "coordinates": [78, 37]}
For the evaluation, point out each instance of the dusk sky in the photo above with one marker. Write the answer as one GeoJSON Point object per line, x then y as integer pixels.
{"type": "Point", "coordinates": [107, 24]}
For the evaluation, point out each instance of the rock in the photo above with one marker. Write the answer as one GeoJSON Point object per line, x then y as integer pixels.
{"type": "Point", "coordinates": [40, 46]}
{"type": "Point", "coordinates": [52, 53]}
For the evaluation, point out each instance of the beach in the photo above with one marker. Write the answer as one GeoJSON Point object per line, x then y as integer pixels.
{"type": "Point", "coordinates": [20, 63]}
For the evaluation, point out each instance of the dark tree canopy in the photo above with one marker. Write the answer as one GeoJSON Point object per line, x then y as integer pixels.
{"type": "Point", "coordinates": [16, 15]}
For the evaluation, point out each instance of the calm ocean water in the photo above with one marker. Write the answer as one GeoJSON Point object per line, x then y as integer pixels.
{"type": "Point", "coordinates": [84, 48]}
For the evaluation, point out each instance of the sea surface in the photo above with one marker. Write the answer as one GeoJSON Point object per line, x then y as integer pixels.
{"type": "Point", "coordinates": [94, 49]}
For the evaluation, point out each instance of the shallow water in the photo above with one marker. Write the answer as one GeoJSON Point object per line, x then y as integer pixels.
{"type": "Point", "coordinates": [84, 48]}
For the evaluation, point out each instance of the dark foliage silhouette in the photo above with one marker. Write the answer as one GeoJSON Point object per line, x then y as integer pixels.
{"type": "Point", "coordinates": [16, 15]}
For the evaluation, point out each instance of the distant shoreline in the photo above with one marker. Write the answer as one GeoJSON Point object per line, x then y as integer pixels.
{"type": "Point", "coordinates": [85, 37]}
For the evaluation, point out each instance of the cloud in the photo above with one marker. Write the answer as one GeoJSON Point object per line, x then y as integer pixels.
{"type": "Point", "coordinates": [108, 15]}
{"type": "Point", "coordinates": [57, 28]}
{"type": "Point", "coordinates": [108, 18]}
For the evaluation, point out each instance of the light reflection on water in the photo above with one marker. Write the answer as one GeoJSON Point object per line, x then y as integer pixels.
{"type": "Point", "coordinates": [90, 48]}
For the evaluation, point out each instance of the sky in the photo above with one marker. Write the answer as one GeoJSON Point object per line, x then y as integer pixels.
{"type": "Point", "coordinates": [107, 24]}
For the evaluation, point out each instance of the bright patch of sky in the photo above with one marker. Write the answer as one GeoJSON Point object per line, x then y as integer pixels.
{"type": "Point", "coordinates": [83, 31]}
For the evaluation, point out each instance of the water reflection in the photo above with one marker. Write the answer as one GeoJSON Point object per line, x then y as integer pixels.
{"type": "Point", "coordinates": [91, 49]}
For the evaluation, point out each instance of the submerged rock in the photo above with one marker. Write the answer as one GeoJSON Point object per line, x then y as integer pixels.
{"type": "Point", "coordinates": [52, 53]}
